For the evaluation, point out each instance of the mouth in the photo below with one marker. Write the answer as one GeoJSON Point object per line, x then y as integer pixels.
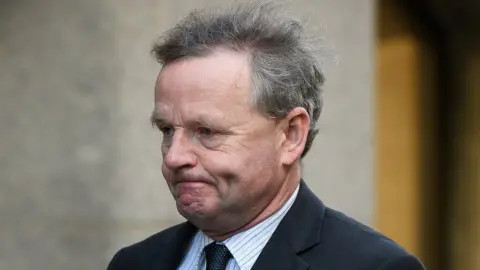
{"type": "Point", "coordinates": [190, 185]}
{"type": "Point", "coordinates": [191, 180]}
{"type": "Point", "coordinates": [189, 192]}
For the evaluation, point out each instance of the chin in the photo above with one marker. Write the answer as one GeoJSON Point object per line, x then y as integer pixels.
{"type": "Point", "coordinates": [196, 213]}
{"type": "Point", "coordinates": [195, 209]}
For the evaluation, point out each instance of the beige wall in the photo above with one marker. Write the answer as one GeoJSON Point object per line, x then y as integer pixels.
{"type": "Point", "coordinates": [79, 164]}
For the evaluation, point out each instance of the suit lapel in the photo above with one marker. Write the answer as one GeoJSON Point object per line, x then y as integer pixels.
{"type": "Point", "coordinates": [278, 255]}
{"type": "Point", "coordinates": [299, 230]}
{"type": "Point", "coordinates": [172, 253]}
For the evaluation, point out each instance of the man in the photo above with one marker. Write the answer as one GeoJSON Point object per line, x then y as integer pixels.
{"type": "Point", "coordinates": [237, 101]}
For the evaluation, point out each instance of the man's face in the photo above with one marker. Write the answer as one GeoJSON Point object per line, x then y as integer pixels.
{"type": "Point", "coordinates": [221, 157]}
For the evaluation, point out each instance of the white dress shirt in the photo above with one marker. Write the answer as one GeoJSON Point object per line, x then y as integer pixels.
{"type": "Point", "coordinates": [245, 246]}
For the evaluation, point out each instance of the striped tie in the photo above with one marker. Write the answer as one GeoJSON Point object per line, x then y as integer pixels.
{"type": "Point", "coordinates": [217, 256]}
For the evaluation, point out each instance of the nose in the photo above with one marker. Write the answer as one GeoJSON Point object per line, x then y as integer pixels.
{"type": "Point", "coordinates": [179, 153]}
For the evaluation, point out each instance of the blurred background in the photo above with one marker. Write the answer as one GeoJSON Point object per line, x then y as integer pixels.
{"type": "Point", "coordinates": [399, 146]}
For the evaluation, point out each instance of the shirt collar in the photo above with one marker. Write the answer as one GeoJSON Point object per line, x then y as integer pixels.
{"type": "Point", "coordinates": [247, 245]}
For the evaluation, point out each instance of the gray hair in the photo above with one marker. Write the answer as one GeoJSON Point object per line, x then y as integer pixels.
{"type": "Point", "coordinates": [285, 71]}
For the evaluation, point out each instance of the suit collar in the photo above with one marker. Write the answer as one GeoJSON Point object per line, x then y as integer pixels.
{"type": "Point", "coordinates": [299, 230]}
{"type": "Point", "coordinates": [170, 255]}
{"type": "Point", "coordinates": [302, 225]}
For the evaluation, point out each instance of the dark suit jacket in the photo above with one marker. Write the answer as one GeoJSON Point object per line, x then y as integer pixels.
{"type": "Point", "coordinates": [311, 236]}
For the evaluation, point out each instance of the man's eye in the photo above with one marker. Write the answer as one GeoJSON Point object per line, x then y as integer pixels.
{"type": "Point", "coordinates": [167, 131]}
{"type": "Point", "coordinates": [206, 132]}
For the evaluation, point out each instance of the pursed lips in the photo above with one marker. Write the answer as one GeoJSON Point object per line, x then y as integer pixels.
{"type": "Point", "coordinates": [187, 180]}
{"type": "Point", "coordinates": [190, 185]}
{"type": "Point", "coordinates": [188, 191]}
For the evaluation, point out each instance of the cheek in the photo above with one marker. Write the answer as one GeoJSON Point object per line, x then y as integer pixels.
{"type": "Point", "coordinates": [242, 164]}
{"type": "Point", "coordinates": [265, 163]}
{"type": "Point", "coordinates": [226, 161]}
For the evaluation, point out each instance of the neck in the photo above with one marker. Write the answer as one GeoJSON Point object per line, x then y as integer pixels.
{"type": "Point", "coordinates": [284, 193]}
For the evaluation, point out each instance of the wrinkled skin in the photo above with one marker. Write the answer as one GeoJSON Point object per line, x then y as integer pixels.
{"type": "Point", "coordinates": [227, 165]}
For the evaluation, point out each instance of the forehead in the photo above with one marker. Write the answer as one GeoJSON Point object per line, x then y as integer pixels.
{"type": "Point", "coordinates": [217, 82]}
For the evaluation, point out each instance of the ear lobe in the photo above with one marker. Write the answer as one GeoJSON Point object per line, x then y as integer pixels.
{"type": "Point", "coordinates": [297, 124]}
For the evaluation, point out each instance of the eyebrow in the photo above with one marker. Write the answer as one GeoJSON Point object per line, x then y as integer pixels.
{"type": "Point", "coordinates": [157, 119]}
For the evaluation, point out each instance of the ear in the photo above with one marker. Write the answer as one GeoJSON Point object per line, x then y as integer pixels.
{"type": "Point", "coordinates": [295, 130]}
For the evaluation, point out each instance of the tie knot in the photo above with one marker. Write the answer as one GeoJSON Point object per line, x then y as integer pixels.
{"type": "Point", "coordinates": [217, 256]}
